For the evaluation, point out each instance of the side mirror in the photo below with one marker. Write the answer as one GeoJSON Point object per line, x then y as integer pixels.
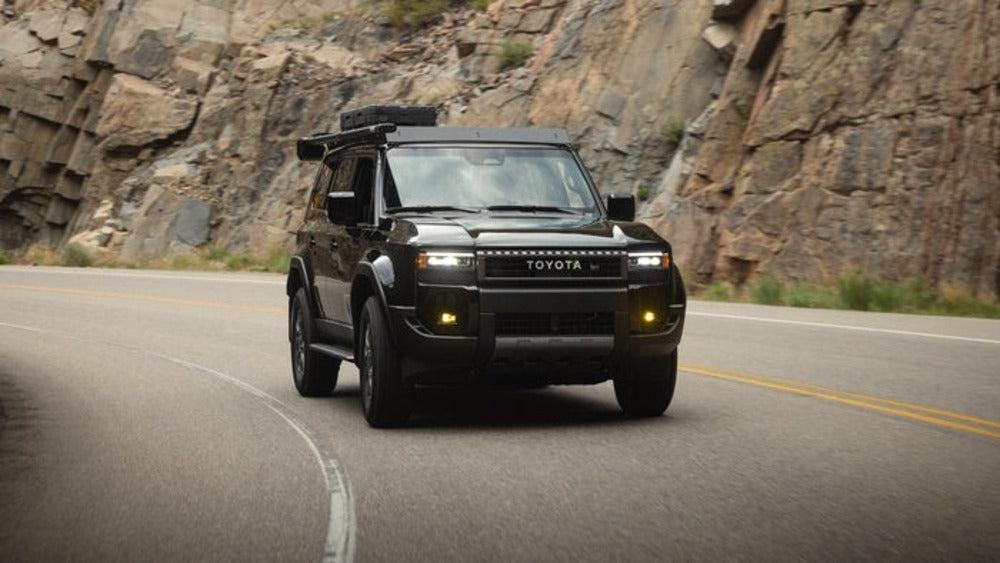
{"type": "Point", "coordinates": [621, 207]}
{"type": "Point", "coordinates": [341, 208]}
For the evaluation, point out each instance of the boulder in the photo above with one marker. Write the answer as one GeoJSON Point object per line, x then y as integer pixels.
{"type": "Point", "coordinates": [46, 24]}
{"type": "Point", "coordinates": [729, 9]}
{"type": "Point", "coordinates": [165, 223]}
{"type": "Point", "coordinates": [723, 38]}
{"type": "Point", "coordinates": [136, 112]}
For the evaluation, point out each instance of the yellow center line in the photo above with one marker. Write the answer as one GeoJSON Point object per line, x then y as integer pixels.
{"type": "Point", "coordinates": [807, 391]}
{"type": "Point", "coordinates": [859, 396]}
{"type": "Point", "coordinates": [149, 298]}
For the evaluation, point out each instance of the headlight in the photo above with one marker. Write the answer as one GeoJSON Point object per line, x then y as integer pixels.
{"type": "Point", "coordinates": [450, 260]}
{"type": "Point", "coordinates": [648, 260]}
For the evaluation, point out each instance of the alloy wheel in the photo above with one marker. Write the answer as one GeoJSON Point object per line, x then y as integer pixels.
{"type": "Point", "coordinates": [299, 342]}
{"type": "Point", "coordinates": [367, 367]}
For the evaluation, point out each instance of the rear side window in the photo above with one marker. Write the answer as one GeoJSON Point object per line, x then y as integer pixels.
{"type": "Point", "coordinates": [321, 186]}
{"type": "Point", "coordinates": [364, 180]}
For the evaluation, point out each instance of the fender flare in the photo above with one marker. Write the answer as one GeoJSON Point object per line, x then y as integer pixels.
{"type": "Point", "coordinates": [378, 275]}
{"type": "Point", "coordinates": [298, 277]}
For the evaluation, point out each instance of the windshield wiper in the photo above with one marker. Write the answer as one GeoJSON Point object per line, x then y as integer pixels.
{"type": "Point", "coordinates": [530, 208]}
{"type": "Point", "coordinates": [428, 209]}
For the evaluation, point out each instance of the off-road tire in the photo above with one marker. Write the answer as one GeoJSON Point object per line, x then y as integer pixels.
{"type": "Point", "coordinates": [647, 392]}
{"type": "Point", "coordinates": [386, 400]}
{"type": "Point", "coordinates": [314, 374]}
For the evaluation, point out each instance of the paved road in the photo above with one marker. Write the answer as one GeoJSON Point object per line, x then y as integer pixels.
{"type": "Point", "coordinates": [151, 415]}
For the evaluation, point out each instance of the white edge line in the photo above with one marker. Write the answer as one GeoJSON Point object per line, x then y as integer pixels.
{"type": "Point", "coordinates": [139, 275]}
{"type": "Point", "coordinates": [846, 327]}
{"type": "Point", "coordinates": [341, 526]}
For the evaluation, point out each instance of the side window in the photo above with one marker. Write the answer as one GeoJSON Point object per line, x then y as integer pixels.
{"type": "Point", "coordinates": [321, 186]}
{"type": "Point", "coordinates": [364, 181]}
{"type": "Point", "coordinates": [344, 175]}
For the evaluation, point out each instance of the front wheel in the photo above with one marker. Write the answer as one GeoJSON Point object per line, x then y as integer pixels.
{"type": "Point", "coordinates": [385, 398]}
{"type": "Point", "coordinates": [647, 392]}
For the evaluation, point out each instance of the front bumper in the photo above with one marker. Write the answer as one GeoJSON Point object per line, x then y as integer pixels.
{"type": "Point", "coordinates": [431, 358]}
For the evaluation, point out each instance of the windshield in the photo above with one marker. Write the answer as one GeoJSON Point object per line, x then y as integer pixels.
{"type": "Point", "coordinates": [519, 179]}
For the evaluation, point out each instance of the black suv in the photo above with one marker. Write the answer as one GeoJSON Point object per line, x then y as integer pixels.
{"type": "Point", "coordinates": [461, 256]}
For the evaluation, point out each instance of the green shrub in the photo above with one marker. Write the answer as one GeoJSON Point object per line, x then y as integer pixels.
{"type": "Point", "coordinates": [813, 296]}
{"type": "Point", "coordinates": [857, 291]}
{"type": "Point", "coordinates": [414, 14]}
{"type": "Point", "coordinates": [480, 5]}
{"type": "Point", "coordinates": [642, 194]}
{"type": "Point", "coordinates": [917, 295]}
{"type": "Point", "coordinates": [887, 297]}
{"type": "Point", "coordinates": [278, 260]}
{"type": "Point", "coordinates": [864, 293]}
{"type": "Point", "coordinates": [216, 253]}
{"type": "Point", "coordinates": [88, 6]}
{"type": "Point", "coordinates": [5, 257]}
{"type": "Point", "coordinates": [718, 291]}
{"type": "Point", "coordinates": [182, 262]}
{"type": "Point", "coordinates": [767, 291]}
{"type": "Point", "coordinates": [240, 262]}
{"type": "Point", "coordinates": [959, 302]}
{"type": "Point", "coordinates": [75, 255]}
{"type": "Point", "coordinates": [673, 129]}
{"type": "Point", "coordinates": [514, 53]}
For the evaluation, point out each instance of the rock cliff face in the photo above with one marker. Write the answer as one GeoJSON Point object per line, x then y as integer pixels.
{"type": "Point", "coordinates": [850, 135]}
{"type": "Point", "coordinates": [820, 136]}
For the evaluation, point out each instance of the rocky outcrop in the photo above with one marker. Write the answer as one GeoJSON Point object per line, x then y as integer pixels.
{"type": "Point", "coordinates": [798, 137]}
{"type": "Point", "coordinates": [850, 135]}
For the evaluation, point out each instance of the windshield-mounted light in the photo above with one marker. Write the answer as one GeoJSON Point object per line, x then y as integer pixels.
{"type": "Point", "coordinates": [648, 260]}
{"type": "Point", "coordinates": [434, 260]}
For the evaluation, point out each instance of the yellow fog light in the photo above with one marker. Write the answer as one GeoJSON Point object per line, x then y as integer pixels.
{"type": "Point", "coordinates": [447, 319]}
{"type": "Point", "coordinates": [649, 316]}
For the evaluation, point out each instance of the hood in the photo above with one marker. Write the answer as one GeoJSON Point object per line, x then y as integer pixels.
{"type": "Point", "coordinates": [521, 230]}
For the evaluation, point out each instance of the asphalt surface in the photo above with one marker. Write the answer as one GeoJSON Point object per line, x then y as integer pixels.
{"type": "Point", "coordinates": [151, 415]}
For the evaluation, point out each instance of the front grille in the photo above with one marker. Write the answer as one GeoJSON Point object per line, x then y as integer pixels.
{"type": "Point", "coordinates": [548, 324]}
{"type": "Point", "coordinates": [553, 264]}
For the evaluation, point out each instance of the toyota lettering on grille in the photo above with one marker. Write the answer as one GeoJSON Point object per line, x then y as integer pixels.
{"type": "Point", "coordinates": [553, 265]}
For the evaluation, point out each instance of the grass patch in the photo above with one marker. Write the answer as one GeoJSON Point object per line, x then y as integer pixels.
{"type": "Point", "coordinates": [5, 257]}
{"type": "Point", "coordinates": [767, 291]}
{"type": "Point", "coordinates": [279, 260]}
{"type": "Point", "coordinates": [957, 302]}
{"type": "Point", "coordinates": [306, 23]}
{"type": "Point", "coordinates": [513, 53]}
{"type": "Point", "coordinates": [480, 5]}
{"type": "Point", "coordinates": [216, 253]}
{"type": "Point", "coordinates": [414, 14]}
{"type": "Point", "coordinates": [673, 129]}
{"type": "Point", "coordinates": [642, 194]}
{"type": "Point", "coordinates": [863, 293]}
{"type": "Point", "coordinates": [75, 255]}
{"type": "Point", "coordinates": [183, 262]}
{"type": "Point", "coordinates": [718, 291]}
{"type": "Point", "coordinates": [89, 6]}
{"type": "Point", "coordinates": [813, 297]}
{"type": "Point", "coordinates": [240, 262]}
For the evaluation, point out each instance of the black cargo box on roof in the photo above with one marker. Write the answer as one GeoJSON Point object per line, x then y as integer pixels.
{"type": "Point", "coordinates": [399, 115]}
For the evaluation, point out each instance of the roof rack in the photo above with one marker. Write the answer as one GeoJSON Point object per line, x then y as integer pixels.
{"type": "Point", "coordinates": [365, 124]}
{"type": "Point", "coordinates": [315, 146]}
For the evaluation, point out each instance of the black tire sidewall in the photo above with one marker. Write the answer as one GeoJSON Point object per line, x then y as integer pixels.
{"type": "Point", "coordinates": [647, 391]}
{"type": "Point", "coordinates": [391, 400]}
{"type": "Point", "coordinates": [320, 372]}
